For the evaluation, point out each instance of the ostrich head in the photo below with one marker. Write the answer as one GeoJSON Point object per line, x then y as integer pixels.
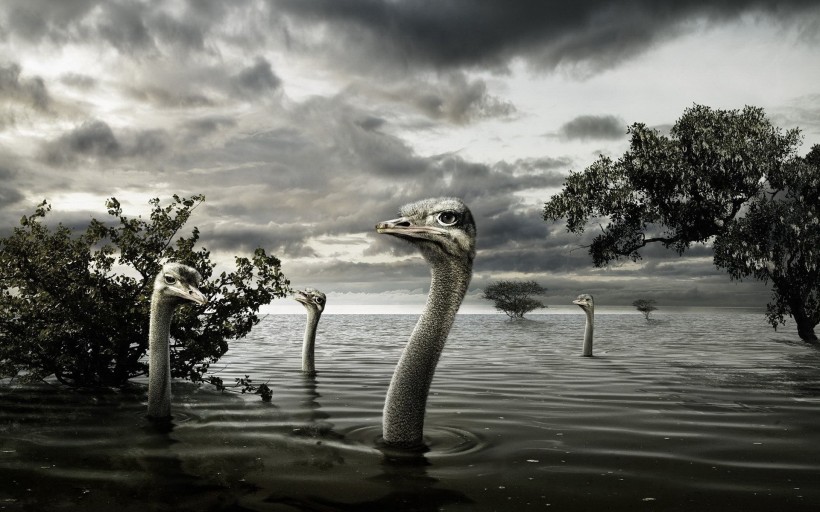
{"type": "Point", "coordinates": [442, 228]}
{"type": "Point", "coordinates": [177, 282]}
{"type": "Point", "coordinates": [311, 299]}
{"type": "Point", "coordinates": [585, 301]}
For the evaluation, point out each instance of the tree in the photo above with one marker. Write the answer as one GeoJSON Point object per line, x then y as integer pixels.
{"type": "Point", "coordinates": [777, 241]}
{"type": "Point", "coordinates": [718, 178]}
{"type": "Point", "coordinates": [514, 297]}
{"type": "Point", "coordinates": [76, 305]}
{"type": "Point", "coordinates": [645, 306]}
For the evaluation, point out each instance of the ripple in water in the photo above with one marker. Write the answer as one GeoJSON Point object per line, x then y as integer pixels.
{"type": "Point", "coordinates": [706, 410]}
{"type": "Point", "coordinates": [439, 441]}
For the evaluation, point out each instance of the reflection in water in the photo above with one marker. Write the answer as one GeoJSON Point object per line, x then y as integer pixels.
{"type": "Point", "coordinates": [168, 484]}
{"type": "Point", "coordinates": [403, 484]}
{"type": "Point", "coordinates": [315, 424]}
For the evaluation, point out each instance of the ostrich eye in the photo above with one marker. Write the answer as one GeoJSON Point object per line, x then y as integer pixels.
{"type": "Point", "coordinates": [170, 279]}
{"type": "Point", "coordinates": [447, 218]}
{"type": "Point", "coordinates": [320, 300]}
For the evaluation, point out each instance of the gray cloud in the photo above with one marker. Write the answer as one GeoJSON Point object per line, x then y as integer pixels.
{"type": "Point", "coordinates": [589, 35]}
{"type": "Point", "coordinates": [92, 138]}
{"type": "Point", "coordinates": [34, 20]}
{"type": "Point", "coordinates": [453, 97]}
{"type": "Point", "coordinates": [96, 140]}
{"type": "Point", "coordinates": [392, 37]}
{"type": "Point", "coordinates": [594, 127]}
{"type": "Point", "coordinates": [122, 26]}
{"type": "Point", "coordinates": [163, 97]}
{"type": "Point", "coordinates": [258, 78]}
{"type": "Point", "coordinates": [8, 194]}
{"type": "Point", "coordinates": [302, 177]}
{"type": "Point", "coordinates": [79, 80]}
{"type": "Point", "coordinates": [30, 91]}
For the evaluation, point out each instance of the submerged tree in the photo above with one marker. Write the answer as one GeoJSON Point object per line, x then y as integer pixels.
{"type": "Point", "coordinates": [514, 297]}
{"type": "Point", "coordinates": [645, 306]}
{"type": "Point", "coordinates": [76, 305]}
{"type": "Point", "coordinates": [778, 241]}
{"type": "Point", "coordinates": [728, 177]}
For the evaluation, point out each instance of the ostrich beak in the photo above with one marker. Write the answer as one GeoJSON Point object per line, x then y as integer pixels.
{"type": "Point", "coordinates": [394, 225]}
{"type": "Point", "coordinates": [299, 296]}
{"type": "Point", "coordinates": [578, 302]}
{"type": "Point", "coordinates": [404, 227]}
{"type": "Point", "coordinates": [195, 295]}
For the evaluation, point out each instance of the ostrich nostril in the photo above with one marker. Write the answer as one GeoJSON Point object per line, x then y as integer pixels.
{"type": "Point", "coordinates": [403, 224]}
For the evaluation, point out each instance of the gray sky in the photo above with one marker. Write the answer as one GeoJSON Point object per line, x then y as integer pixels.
{"type": "Point", "coordinates": [305, 122]}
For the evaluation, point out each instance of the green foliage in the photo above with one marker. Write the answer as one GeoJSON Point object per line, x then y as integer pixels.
{"type": "Point", "coordinates": [645, 306]}
{"type": "Point", "coordinates": [728, 177]}
{"type": "Point", "coordinates": [514, 297]}
{"type": "Point", "coordinates": [76, 305]}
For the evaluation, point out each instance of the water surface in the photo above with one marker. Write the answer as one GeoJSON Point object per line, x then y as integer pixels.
{"type": "Point", "coordinates": [691, 411]}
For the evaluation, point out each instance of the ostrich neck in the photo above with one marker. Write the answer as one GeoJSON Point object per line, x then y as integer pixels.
{"type": "Point", "coordinates": [159, 369]}
{"type": "Point", "coordinates": [588, 332]}
{"type": "Point", "coordinates": [404, 408]}
{"type": "Point", "coordinates": [309, 342]}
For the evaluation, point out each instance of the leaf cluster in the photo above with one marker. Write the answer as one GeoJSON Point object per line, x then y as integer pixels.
{"type": "Point", "coordinates": [75, 304]}
{"type": "Point", "coordinates": [778, 241]}
{"type": "Point", "coordinates": [676, 190]}
{"type": "Point", "coordinates": [514, 297]}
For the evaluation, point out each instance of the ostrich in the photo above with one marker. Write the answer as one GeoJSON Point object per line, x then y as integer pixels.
{"type": "Point", "coordinates": [174, 284]}
{"type": "Point", "coordinates": [314, 302]}
{"type": "Point", "coordinates": [444, 232]}
{"type": "Point", "coordinates": [585, 302]}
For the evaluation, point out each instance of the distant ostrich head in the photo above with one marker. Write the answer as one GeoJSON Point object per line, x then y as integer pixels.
{"type": "Point", "coordinates": [311, 299]}
{"type": "Point", "coordinates": [177, 282]}
{"type": "Point", "coordinates": [442, 228]}
{"type": "Point", "coordinates": [585, 302]}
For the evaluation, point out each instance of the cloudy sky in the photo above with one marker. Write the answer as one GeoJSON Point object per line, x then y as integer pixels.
{"type": "Point", "coordinates": [304, 122]}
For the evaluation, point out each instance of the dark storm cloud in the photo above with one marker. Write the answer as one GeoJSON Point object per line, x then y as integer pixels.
{"type": "Point", "coordinates": [95, 139]}
{"type": "Point", "coordinates": [31, 91]}
{"type": "Point", "coordinates": [282, 239]}
{"type": "Point", "coordinates": [258, 78]}
{"type": "Point", "coordinates": [138, 28]}
{"type": "Point", "coordinates": [92, 138]}
{"type": "Point", "coordinates": [122, 26]}
{"type": "Point", "coordinates": [181, 32]}
{"type": "Point", "coordinates": [594, 127]}
{"type": "Point", "coordinates": [198, 128]}
{"type": "Point", "coordinates": [34, 20]}
{"type": "Point", "coordinates": [8, 194]}
{"type": "Point", "coordinates": [596, 34]}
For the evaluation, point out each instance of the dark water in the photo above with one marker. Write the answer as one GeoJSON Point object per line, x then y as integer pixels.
{"type": "Point", "coordinates": [692, 411]}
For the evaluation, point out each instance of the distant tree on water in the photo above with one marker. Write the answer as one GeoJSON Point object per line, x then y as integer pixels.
{"type": "Point", "coordinates": [645, 306]}
{"type": "Point", "coordinates": [514, 297]}
{"type": "Point", "coordinates": [724, 176]}
{"type": "Point", "coordinates": [76, 304]}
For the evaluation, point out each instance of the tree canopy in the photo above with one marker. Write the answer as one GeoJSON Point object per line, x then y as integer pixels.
{"type": "Point", "coordinates": [645, 306]}
{"type": "Point", "coordinates": [76, 304]}
{"type": "Point", "coordinates": [777, 241]}
{"type": "Point", "coordinates": [727, 177]}
{"type": "Point", "coordinates": [514, 297]}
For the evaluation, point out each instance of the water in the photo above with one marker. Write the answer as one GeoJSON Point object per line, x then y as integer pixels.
{"type": "Point", "coordinates": [691, 411]}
